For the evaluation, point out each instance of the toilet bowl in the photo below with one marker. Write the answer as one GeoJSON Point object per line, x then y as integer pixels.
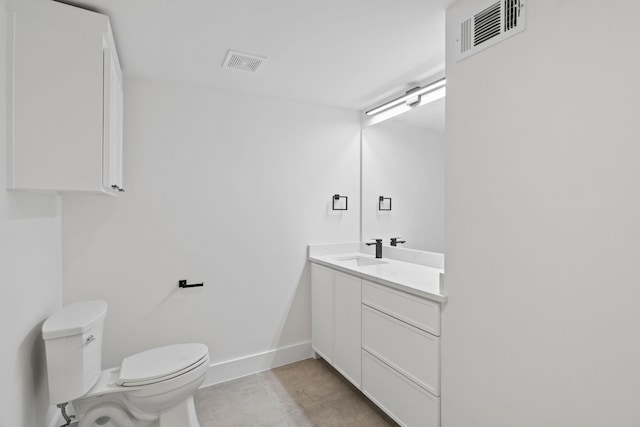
{"type": "Point", "coordinates": [153, 388]}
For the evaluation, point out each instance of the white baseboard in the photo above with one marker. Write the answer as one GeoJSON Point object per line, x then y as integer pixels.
{"type": "Point", "coordinates": [243, 366]}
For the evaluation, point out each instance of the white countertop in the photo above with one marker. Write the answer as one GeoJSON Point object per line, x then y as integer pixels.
{"type": "Point", "coordinates": [415, 279]}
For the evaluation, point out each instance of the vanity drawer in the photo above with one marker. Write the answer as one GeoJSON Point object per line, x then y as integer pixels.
{"type": "Point", "coordinates": [413, 352]}
{"type": "Point", "coordinates": [399, 397]}
{"type": "Point", "coordinates": [419, 312]}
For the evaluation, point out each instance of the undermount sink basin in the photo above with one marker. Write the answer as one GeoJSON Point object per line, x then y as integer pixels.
{"type": "Point", "coordinates": [358, 261]}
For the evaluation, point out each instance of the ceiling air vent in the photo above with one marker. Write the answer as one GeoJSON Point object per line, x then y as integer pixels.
{"type": "Point", "coordinates": [244, 61]}
{"type": "Point", "coordinates": [479, 29]}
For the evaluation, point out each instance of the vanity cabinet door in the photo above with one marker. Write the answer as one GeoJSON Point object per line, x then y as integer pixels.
{"type": "Point", "coordinates": [402, 399]}
{"type": "Point", "coordinates": [419, 312]}
{"type": "Point", "coordinates": [322, 311]}
{"type": "Point", "coordinates": [407, 349]}
{"type": "Point", "coordinates": [347, 357]}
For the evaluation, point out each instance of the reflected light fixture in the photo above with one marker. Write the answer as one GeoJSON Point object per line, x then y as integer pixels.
{"type": "Point", "coordinates": [413, 98]}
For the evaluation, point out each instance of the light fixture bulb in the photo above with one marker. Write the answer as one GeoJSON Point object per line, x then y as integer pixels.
{"type": "Point", "coordinates": [411, 98]}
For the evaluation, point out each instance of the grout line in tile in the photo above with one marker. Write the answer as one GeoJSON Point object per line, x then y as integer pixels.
{"type": "Point", "coordinates": [273, 398]}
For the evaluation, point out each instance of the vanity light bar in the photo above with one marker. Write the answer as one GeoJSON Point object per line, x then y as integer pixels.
{"type": "Point", "coordinates": [412, 97]}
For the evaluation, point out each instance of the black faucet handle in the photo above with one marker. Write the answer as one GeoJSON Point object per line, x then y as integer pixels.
{"type": "Point", "coordinates": [396, 240]}
{"type": "Point", "coordinates": [377, 241]}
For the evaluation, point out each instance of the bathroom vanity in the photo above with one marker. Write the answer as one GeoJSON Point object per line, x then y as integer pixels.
{"type": "Point", "coordinates": [377, 321]}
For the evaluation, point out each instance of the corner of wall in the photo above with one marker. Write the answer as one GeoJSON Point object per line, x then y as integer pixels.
{"type": "Point", "coordinates": [30, 272]}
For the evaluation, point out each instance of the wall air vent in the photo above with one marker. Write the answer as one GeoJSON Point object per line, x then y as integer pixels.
{"type": "Point", "coordinates": [244, 61]}
{"type": "Point", "coordinates": [479, 29]}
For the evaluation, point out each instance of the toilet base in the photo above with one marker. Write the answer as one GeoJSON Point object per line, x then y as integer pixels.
{"type": "Point", "coordinates": [110, 415]}
{"type": "Point", "coordinates": [182, 414]}
{"type": "Point", "coordinates": [113, 414]}
{"type": "Point", "coordinates": [166, 403]}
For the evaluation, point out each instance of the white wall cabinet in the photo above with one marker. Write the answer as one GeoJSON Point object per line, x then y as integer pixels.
{"type": "Point", "coordinates": [385, 341]}
{"type": "Point", "coordinates": [64, 99]}
{"type": "Point", "coordinates": [336, 320]}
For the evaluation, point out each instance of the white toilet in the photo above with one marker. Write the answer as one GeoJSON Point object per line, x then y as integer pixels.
{"type": "Point", "coordinates": [150, 389]}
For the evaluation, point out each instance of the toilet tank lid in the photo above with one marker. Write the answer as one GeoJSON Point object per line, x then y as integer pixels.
{"type": "Point", "coordinates": [74, 319]}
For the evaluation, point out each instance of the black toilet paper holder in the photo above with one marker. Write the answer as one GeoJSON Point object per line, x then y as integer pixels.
{"type": "Point", "coordinates": [183, 284]}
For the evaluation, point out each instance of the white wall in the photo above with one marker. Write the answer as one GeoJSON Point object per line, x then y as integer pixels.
{"type": "Point", "coordinates": [406, 163]}
{"type": "Point", "coordinates": [30, 270]}
{"type": "Point", "coordinates": [542, 219]}
{"type": "Point", "coordinates": [223, 188]}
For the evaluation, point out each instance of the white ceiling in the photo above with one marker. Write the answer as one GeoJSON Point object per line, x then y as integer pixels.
{"type": "Point", "coordinates": [343, 53]}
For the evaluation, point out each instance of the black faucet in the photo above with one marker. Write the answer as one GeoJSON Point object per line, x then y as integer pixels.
{"type": "Point", "coordinates": [378, 244]}
{"type": "Point", "coordinates": [395, 241]}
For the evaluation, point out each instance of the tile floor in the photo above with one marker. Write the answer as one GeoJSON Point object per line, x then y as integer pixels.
{"type": "Point", "coordinates": [305, 393]}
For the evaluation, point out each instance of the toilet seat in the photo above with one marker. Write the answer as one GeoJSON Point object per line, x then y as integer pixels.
{"type": "Point", "coordinates": [161, 364]}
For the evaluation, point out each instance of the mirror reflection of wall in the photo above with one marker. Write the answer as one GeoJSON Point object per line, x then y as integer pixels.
{"type": "Point", "coordinates": [403, 158]}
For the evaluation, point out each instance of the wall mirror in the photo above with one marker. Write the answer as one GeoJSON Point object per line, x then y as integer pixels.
{"type": "Point", "coordinates": [403, 162]}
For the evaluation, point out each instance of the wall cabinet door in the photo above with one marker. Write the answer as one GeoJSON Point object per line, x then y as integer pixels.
{"type": "Point", "coordinates": [322, 311]}
{"type": "Point", "coordinates": [113, 100]}
{"type": "Point", "coordinates": [347, 327]}
{"type": "Point", "coordinates": [62, 113]}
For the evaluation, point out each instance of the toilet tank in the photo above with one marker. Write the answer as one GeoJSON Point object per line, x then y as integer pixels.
{"type": "Point", "coordinates": [73, 347]}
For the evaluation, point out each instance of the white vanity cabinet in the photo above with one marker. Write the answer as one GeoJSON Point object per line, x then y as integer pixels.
{"type": "Point", "coordinates": [336, 320]}
{"type": "Point", "coordinates": [384, 340]}
{"type": "Point", "coordinates": [401, 354]}
{"type": "Point", "coordinates": [64, 114]}
{"type": "Point", "coordinates": [322, 321]}
{"type": "Point", "coordinates": [347, 330]}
